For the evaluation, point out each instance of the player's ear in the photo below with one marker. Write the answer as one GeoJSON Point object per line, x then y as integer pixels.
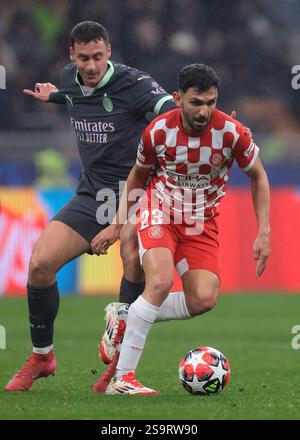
{"type": "Point", "coordinates": [72, 56]}
{"type": "Point", "coordinates": [109, 50]}
{"type": "Point", "coordinates": [177, 98]}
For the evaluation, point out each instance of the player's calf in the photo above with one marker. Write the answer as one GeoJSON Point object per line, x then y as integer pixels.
{"type": "Point", "coordinates": [201, 306]}
{"type": "Point", "coordinates": [201, 289]}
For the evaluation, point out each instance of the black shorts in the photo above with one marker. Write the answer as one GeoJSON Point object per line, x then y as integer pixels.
{"type": "Point", "coordinates": [86, 215]}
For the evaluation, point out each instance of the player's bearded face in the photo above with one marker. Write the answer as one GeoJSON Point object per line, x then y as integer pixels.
{"type": "Point", "coordinates": [91, 60]}
{"type": "Point", "coordinates": [196, 107]}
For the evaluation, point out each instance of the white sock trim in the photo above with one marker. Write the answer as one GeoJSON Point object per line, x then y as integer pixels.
{"type": "Point", "coordinates": [43, 350]}
{"type": "Point", "coordinates": [145, 310]}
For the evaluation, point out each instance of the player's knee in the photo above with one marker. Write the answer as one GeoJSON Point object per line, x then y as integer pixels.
{"type": "Point", "coordinates": [203, 302]}
{"type": "Point", "coordinates": [161, 284]}
{"type": "Point", "coordinates": [40, 268]}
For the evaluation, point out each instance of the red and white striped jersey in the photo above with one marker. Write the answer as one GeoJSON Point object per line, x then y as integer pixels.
{"type": "Point", "coordinates": [191, 169]}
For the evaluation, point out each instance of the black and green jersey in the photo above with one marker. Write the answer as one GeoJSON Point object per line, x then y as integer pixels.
{"type": "Point", "coordinates": [108, 121]}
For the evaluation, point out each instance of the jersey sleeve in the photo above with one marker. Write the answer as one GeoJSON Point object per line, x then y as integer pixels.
{"type": "Point", "coordinates": [148, 96]}
{"type": "Point", "coordinates": [59, 97]}
{"type": "Point", "coordinates": [146, 157]}
{"type": "Point", "coordinates": [245, 150]}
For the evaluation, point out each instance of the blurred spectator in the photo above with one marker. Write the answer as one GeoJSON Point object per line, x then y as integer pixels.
{"type": "Point", "coordinates": [248, 43]}
{"type": "Point", "coordinates": [50, 18]}
{"type": "Point", "coordinates": [251, 45]}
{"type": "Point", "coordinates": [52, 170]}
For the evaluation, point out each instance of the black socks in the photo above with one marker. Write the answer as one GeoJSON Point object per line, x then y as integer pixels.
{"type": "Point", "coordinates": [129, 291]}
{"type": "Point", "coordinates": [43, 306]}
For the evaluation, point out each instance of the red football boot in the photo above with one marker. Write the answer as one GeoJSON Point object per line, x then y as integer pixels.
{"type": "Point", "coordinates": [37, 366]}
{"type": "Point", "coordinates": [102, 383]}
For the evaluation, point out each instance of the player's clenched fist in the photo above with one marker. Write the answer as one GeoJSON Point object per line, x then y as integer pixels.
{"type": "Point", "coordinates": [41, 91]}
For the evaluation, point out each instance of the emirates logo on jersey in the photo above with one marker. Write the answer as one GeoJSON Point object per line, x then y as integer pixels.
{"type": "Point", "coordinates": [216, 159]}
{"type": "Point", "coordinates": [156, 231]}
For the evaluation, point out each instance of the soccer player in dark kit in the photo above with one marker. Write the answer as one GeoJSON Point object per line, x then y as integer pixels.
{"type": "Point", "coordinates": [107, 103]}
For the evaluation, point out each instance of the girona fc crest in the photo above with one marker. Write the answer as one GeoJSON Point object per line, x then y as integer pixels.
{"type": "Point", "coordinates": [216, 159]}
{"type": "Point", "coordinates": [156, 231]}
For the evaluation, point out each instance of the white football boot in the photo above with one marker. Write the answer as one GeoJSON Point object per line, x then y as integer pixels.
{"type": "Point", "coordinates": [127, 384]}
{"type": "Point", "coordinates": [115, 317]}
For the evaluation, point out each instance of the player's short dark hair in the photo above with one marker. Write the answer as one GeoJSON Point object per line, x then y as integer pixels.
{"type": "Point", "coordinates": [87, 31]}
{"type": "Point", "coordinates": [198, 76]}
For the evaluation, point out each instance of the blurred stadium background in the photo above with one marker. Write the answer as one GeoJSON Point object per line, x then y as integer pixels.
{"type": "Point", "coordinates": [253, 47]}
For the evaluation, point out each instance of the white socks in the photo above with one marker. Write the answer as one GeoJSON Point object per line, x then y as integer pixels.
{"type": "Point", "coordinates": [174, 307]}
{"type": "Point", "coordinates": [44, 350]}
{"type": "Point", "coordinates": [141, 316]}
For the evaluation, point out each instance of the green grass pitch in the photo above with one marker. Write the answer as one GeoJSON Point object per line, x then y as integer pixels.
{"type": "Point", "coordinates": [253, 331]}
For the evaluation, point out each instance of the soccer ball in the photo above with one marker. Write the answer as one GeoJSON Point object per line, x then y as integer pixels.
{"type": "Point", "coordinates": [204, 371]}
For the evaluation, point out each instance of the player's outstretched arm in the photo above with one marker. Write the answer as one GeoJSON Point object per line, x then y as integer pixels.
{"type": "Point", "coordinates": [261, 201]}
{"type": "Point", "coordinates": [42, 91]}
{"type": "Point", "coordinates": [136, 181]}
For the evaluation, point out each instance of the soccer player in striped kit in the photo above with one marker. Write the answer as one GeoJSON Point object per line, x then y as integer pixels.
{"type": "Point", "coordinates": [192, 149]}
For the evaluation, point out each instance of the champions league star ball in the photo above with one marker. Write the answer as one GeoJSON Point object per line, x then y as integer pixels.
{"type": "Point", "coordinates": [204, 371]}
